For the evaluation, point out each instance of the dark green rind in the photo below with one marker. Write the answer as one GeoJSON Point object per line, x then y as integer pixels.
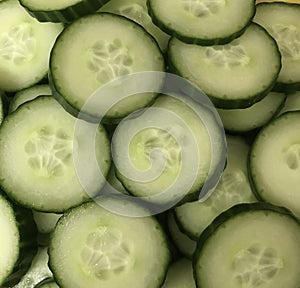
{"type": "Point", "coordinates": [197, 41]}
{"type": "Point", "coordinates": [228, 214]}
{"type": "Point", "coordinates": [286, 88]}
{"type": "Point", "coordinates": [67, 14]}
{"type": "Point", "coordinates": [28, 243]}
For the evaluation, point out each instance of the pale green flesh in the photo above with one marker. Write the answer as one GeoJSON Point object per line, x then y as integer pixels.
{"type": "Point", "coordinates": [282, 21]}
{"type": "Point", "coordinates": [103, 249]}
{"type": "Point", "coordinates": [105, 47]}
{"type": "Point", "coordinates": [203, 19]}
{"type": "Point", "coordinates": [9, 248]}
{"type": "Point", "coordinates": [292, 102]}
{"type": "Point", "coordinates": [45, 222]}
{"type": "Point", "coordinates": [278, 186]}
{"type": "Point", "coordinates": [232, 71]}
{"type": "Point", "coordinates": [24, 48]}
{"type": "Point", "coordinates": [180, 275]}
{"type": "Point", "coordinates": [136, 10]}
{"type": "Point", "coordinates": [37, 5]}
{"type": "Point", "coordinates": [233, 188]}
{"type": "Point", "coordinates": [44, 175]}
{"type": "Point", "coordinates": [250, 250]}
{"type": "Point", "coordinates": [253, 117]}
{"type": "Point", "coordinates": [49, 285]}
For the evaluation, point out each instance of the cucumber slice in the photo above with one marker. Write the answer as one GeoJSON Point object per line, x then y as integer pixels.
{"type": "Point", "coordinates": [180, 275]}
{"type": "Point", "coordinates": [202, 22]}
{"type": "Point", "coordinates": [25, 46]}
{"type": "Point", "coordinates": [61, 10]}
{"type": "Point", "coordinates": [18, 243]}
{"type": "Point", "coordinates": [164, 154]}
{"type": "Point", "coordinates": [259, 114]}
{"type": "Point", "coordinates": [28, 94]}
{"type": "Point", "coordinates": [250, 245]}
{"type": "Point", "coordinates": [233, 188]}
{"type": "Point", "coordinates": [235, 75]}
{"type": "Point", "coordinates": [92, 247]}
{"type": "Point", "coordinates": [97, 49]}
{"type": "Point", "coordinates": [292, 102]}
{"type": "Point", "coordinates": [278, 145]}
{"type": "Point", "coordinates": [38, 170]}
{"type": "Point", "coordinates": [282, 21]}
{"type": "Point", "coordinates": [136, 10]}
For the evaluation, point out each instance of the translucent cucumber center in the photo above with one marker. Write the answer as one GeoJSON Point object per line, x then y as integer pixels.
{"type": "Point", "coordinates": [256, 266]}
{"type": "Point", "coordinates": [137, 13]}
{"type": "Point", "coordinates": [227, 56]}
{"type": "Point", "coordinates": [292, 156]}
{"type": "Point", "coordinates": [18, 45]}
{"type": "Point", "coordinates": [49, 151]}
{"type": "Point", "coordinates": [105, 253]}
{"type": "Point", "coordinates": [109, 60]}
{"type": "Point", "coordinates": [201, 8]}
{"type": "Point", "coordinates": [288, 39]}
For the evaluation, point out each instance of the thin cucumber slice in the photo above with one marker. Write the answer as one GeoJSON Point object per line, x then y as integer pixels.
{"type": "Point", "coordinates": [250, 245]}
{"type": "Point", "coordinates": [28, 94]}
{"type": "Point", "coordinates": [25, 46]}
{"type": "Point", "coordinates": [259, 114]}
{"type": "Point", "coordinates": [136, 10]}
{"type": "Point", "coordinates": [164, 154]}
{"type": "Point", "coordinates": [292, 102]}
{"type": "Point", "coordinates": [180, 275]}
{"type": "Point", "coordinates": [38, 170]}
{"type": "Point", "coordinates": [18, 242]}
{"type": "Point", "coordinates": [45, 222]}
{"type": "Point", "coordinates": [282, 21]}
{"type": "Point", "coordinates": [61, 10]}
{"type": "Point", "coordinates": [97, 49]}
{"type": "Point", "coordinates": [233, 188]}
{"type": "Point", "coordinates": [275, 162]}
{"type": "Point", "coordinates": [92, 247]}
{"type": "Point", "coordinates": [203, 22]}
{"type": "Point", "coordinates": [37, 272]}
{"type": "Point", "coordinates": [235, 75]}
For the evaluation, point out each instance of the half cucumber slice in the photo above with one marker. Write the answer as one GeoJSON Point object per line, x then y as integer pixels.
{"type": "Point", "coordinates": [249, 245]}
{"type": "Point", "coordinates": [234, 75]}
{"type": "Point", "coordinates": [93, 247]}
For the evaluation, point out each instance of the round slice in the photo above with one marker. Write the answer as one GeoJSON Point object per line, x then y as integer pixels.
{"type": "Point", "coordinates": [275, 162]}
{"type": "Point", "coordinates": [93, 247]}
{"type": "Point", "coordinates": [204, 22]}
{"type": "Point", "coordinates": [95, 50]}
{"type": "Point", "coordinates": [234, 75]}
{"type": "Point", "coordinates": [25, 46]}
{"type": "Point", "coordinates": [250, 245]}
{"type": "Point", "coordinates": [38, 144]}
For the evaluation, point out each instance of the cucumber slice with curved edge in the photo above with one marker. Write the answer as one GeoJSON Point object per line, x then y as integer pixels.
{"type": "Point", "coordinates": [93, 247]}
{"type": "Point", "coordinates": [164, 154]}
{"type": "Point", "coordinates": [38, 170]}
{"type": "Point", "coordinates": [136, 10]}
{"type": "Point", "coordinates": [203, 22]}
{"type": "Point", "coordinates": [234, 75]}
{"type": "Point", "coordinates": [274, 162]}
{"type": "Point", "coordinates": [259, 114]}
{"type": "Point", "coordinates": [249, 245]}
{"type": "Point", "coordinates": [292, 102]}
{"type": "Point", "coordinates": [45, 222]}
{"type": "Point", "coordinates": [282, 21]}
{"type": "Point", "coordinates": [18, 242]}
{"type": "Point", "coordinates": [95, 50]}
{"type": "Point", "coordinates": [180, 275]}
{"type": "Point", "coordinates": [25, 46]}
{"type": "Point", "coordinates": [61, 10]}
{"type": "Point", "coordinates": [233, 188]}
{"type": "Point", "coordinates": [28, 94]}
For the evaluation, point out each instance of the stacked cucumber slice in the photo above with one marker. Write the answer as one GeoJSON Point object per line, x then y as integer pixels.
{"type": "Point", "coordinates": [149, 144]}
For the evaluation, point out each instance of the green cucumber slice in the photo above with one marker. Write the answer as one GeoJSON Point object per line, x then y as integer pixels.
{"type": "Point", "coordinates": [25, 46]}
{"type": "Point", "coordinates": [38, 170]}
{"type": "Point", "coordinates": [93, 247]}
{"type": "Point", "coordinates": [202, 22]}
{"type": "Point", "coordinates": [249, 245]}
{"type": "Point", "coordinates": [274, 162]}
{"type": "Point", "coordinates": [235, 75]}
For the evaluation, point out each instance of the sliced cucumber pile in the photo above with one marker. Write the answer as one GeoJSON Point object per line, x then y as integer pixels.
{"type": "Point", "coordinates": [150, 144]}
